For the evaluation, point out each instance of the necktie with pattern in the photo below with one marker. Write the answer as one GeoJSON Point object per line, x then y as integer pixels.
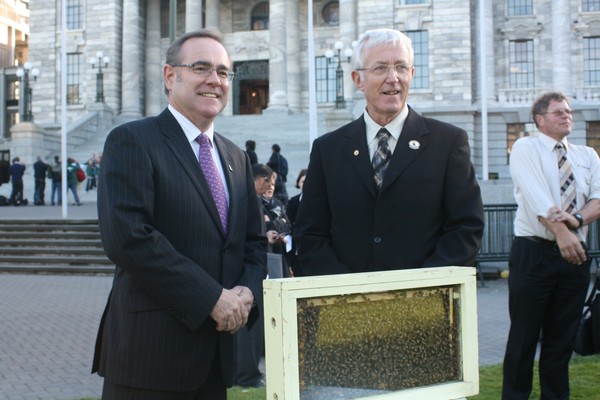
{"type": "Point", "coordinates": [567, 180]}
{"type": "Point", "coordinates": [381, 158]}
{"type": "Point", "coordinates": [209, 169]}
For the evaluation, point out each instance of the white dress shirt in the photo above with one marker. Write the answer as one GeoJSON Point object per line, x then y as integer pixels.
{"type": "Point", "coordinates": [394, 127]}
{"type": "Point", "coordinates": [192, 132]}
{"type": "Point", "coordinates": [534, 171]}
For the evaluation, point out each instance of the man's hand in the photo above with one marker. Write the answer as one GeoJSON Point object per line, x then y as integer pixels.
{"type": "Point", "coordinates": [555, 214]}
{"type": "Point", "coordinates": [570, 248]}
{"type": "Point", "coordinates": [232, 309]}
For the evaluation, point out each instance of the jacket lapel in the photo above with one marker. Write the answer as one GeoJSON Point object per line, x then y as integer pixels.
{"type": "Point", "coordinates": [357, 151]}
{"type": "Point", "coordinates": [411, 144]}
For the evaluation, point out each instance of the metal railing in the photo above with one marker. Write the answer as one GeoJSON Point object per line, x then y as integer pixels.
{"type": "Point", "coordinates": [498, 234]}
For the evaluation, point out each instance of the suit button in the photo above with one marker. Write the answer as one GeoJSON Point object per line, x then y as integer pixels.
{"type": "Point", "coordinates": [377, 239]}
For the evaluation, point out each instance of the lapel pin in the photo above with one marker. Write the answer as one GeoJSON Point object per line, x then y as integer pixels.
{"type": "Point", "coordinates": [231, 169]}
{"type": "Point", "coordinates": [356, 152]}
{"type": "Point", "coordinates": [414, 144]}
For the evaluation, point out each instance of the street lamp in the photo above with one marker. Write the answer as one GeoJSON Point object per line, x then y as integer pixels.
{"type": "Point", "coordinates": [25, 114]}
{"type": "Point", "coordinates": [100, 59]}
{"type": "Point", "coordinates": [339, 73]}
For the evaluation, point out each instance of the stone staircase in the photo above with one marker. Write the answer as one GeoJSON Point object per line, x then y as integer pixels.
{"type": "Point", "coordinates": [52, 246]}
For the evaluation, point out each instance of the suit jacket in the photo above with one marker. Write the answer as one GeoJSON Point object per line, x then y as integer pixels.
{"type": "Point", "coordinates": [160, 226]}
{"type": "Point", "coordinates": [428, 212]}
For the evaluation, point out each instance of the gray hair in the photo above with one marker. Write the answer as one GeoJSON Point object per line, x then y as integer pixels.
{"type": "Point", "coordinates": [376, 37]}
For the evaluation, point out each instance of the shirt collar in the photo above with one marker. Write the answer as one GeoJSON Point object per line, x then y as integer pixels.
{"type": "Point", "coordinates": [190, 130]}
{"type": "Point", "coordinates": [395, 126]}
{"type": "Point", "coordinates": [550, 143]}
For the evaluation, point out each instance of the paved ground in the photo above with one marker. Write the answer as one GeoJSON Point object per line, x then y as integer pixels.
{"type": "Point", "coordinates": [48, 324]}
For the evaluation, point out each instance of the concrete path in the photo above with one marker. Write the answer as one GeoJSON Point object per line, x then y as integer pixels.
{"type": "Point", "coordinates": [48, 323]}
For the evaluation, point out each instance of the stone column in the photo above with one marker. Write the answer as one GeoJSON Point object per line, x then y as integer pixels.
{"type": "Point", "coordinates": [212, 14]}
{"type": "Point", "coordinates": [277, 57]}
{"type": "Point", "coordinates": [153, 65]}
{"type": "Point", "coordinates": [294, 66]}
{"type": "Point", "coordinates": [131, 91]}
{"type": "Point", "coordinates": [193, 15]}
{"type": "Point", "coordinates": [561, 45]}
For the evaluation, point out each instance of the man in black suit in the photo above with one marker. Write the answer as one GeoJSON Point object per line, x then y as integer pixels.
{"type": "Point", "coordinates": [186, 243]}
{"type": "Point", "coordinates": [404, 198]}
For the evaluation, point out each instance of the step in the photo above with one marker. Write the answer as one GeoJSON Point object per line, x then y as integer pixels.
{"type": "Point", "coordinates": [57, 269]}
{"type": "Point", "coordinates": [93, 242]}
{"type": "Point", "coordinates": [54, 259]}
{"type": "Point", "coordinates": [48, 228]}
{"type": "Point", "coordinates": [40, 251]}
{"type": "Point", "coordinates": [51, 235]}
{"type": "Point", "coordinates": [42, 222]}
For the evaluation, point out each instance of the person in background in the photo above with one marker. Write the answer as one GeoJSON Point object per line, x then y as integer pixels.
{"type": "Point", "coordinates": [292, 212]}
{"type": "Point", "coordinates": [16, 177]}
{"type": "Point", "coordinates": [392, 189]}
{"type": "Point", "coordinates": [91, 171]}
{"type": "Point", "coordinates": [278, 224]}
{"type": "Point", "coordinates": [250, 343]}
{"type": "Point", "coordinates": [179, 217]}
{"type": "Point", "coordinates": [40, 170]}
{"type": "Point", "coordinates": [251, 151]}
{"type": "Point", "coordinates": [72, 167]}
{"type": "Point", "coordinates": [279, 165]}
{"type": "Point", "coordinates": [557, 189]}
{"type": "Point", "coordinates": [55, 175]}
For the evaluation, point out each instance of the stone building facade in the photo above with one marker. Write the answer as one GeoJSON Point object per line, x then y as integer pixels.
{"type": "Point", "coordinates": [472, 64]}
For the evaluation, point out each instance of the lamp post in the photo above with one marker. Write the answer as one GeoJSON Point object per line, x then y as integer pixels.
{"type": "Point", "coordinates": [339, 73]}
{"type": "Point", "coordinates": [25, 114]}
{"type": "Point", "coordinates": [100, 59]}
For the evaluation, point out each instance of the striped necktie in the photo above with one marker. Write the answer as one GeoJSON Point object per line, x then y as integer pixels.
{"type": "Point", "coordinates": [209, 169]}
{"type": "Point", "coordinates": [381, 158]}
{"type": "Point", "coordinates": [567, 180]}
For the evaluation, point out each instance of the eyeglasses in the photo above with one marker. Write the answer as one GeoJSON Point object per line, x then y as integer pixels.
{"type": "Point", "coordinates": [383, 69]}
{"type": "Point", "coordinates": [559, 113]}
{"type": "Point", "coordinates": [206, 70]}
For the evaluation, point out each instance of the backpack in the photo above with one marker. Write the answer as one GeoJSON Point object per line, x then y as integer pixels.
{"type": "Point", "coordinates": [80, 175]}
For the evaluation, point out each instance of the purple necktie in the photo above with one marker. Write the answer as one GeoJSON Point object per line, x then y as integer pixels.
{"type": "Point", "coordinates": [209, 169]}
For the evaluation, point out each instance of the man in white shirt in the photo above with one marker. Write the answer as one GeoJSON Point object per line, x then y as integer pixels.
{"type": "Point", "coordinates": [549, 266]}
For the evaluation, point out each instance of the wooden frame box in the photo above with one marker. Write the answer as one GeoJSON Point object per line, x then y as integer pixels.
{"type": "Point", "coordinates": [406, 334]}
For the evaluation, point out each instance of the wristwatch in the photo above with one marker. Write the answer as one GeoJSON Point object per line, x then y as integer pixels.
{"type": "Point", "coordinates": [579, 219]}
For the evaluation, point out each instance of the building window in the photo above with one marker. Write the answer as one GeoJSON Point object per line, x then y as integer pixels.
{"type": "Point", "coordinates": [591, 5]}
{"type": "Point", "coordinates": [325, 78]}
{"type": "Point", "coordinates": [74, 10]}
{"type": "Point", "coordinates": [520, 7]}
{"type": "Point", "coordinates": [593, 134]}
{"type": "Point", "coordinates": [591, 61]}
{"type": "Point", "coordinates": [331, 13]}
{"type": "Point", "coordinates": [420, 42]}
{"type": "Point", "coordinates": [259, 17]}
{"type": "Point", "coordinates": [521, 64]}
{"type": "Point", "coordinates": [73, 78]}
{"type": "Point", "coordinates": [517, 131]}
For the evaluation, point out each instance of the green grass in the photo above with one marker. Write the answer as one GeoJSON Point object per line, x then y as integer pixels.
{"type": "Point", "coordinates": [584, 373]}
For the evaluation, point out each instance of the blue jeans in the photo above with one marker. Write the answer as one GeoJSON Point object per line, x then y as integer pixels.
{"type": "Point", "coordinates": [56, 188]}
{"type": "Point", "coordinates": [73, 187]}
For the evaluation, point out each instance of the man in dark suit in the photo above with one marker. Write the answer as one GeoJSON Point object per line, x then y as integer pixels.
{"type": "Point", "coordinates": [186, 242]}
{"type": "Point", "coordinates": [403, 198]}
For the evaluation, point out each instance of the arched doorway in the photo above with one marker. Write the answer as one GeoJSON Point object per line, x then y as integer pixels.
{"type": "Point", "coordinates": [251, 87]}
